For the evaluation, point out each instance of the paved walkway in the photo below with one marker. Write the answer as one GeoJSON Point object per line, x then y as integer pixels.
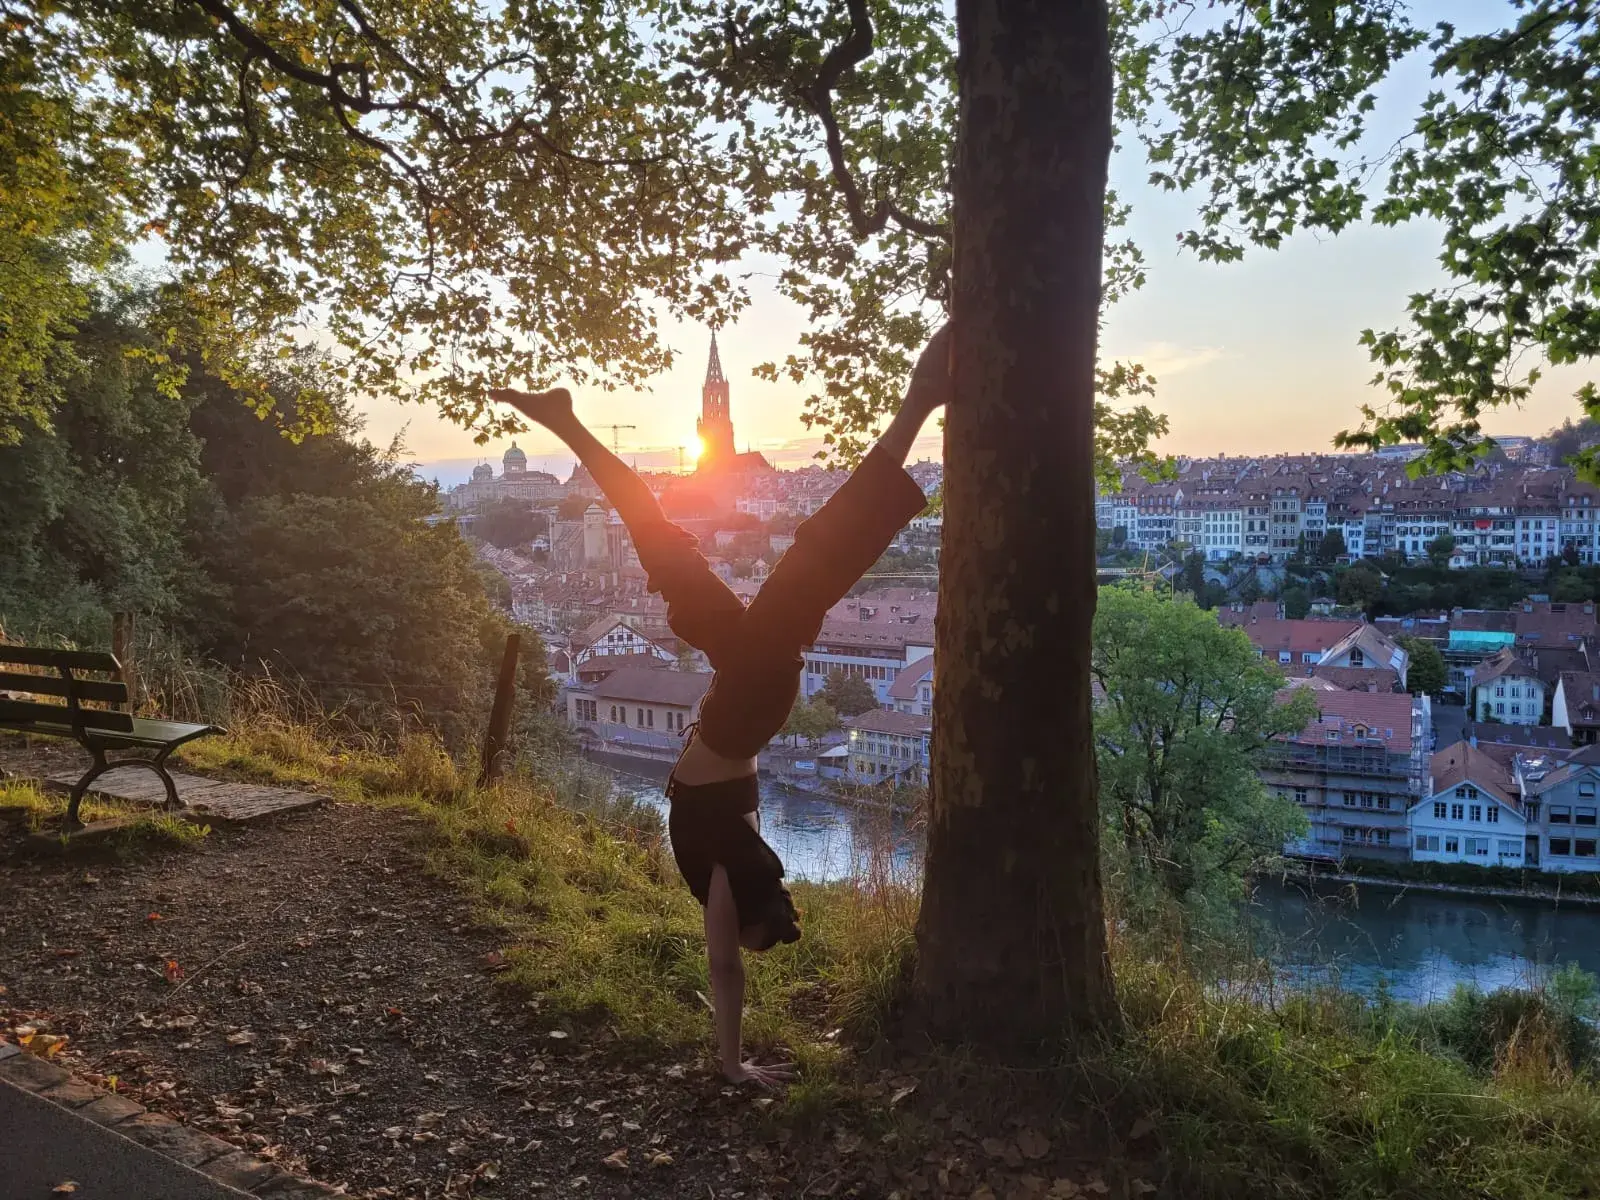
{"type": "Point", "coordinates": [55, 1130]}
{"type": "Point", "coordinates": [213, 799]}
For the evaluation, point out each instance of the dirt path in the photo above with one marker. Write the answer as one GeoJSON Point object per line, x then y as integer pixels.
{"type": "Point", "coordinates": [336, 1011]}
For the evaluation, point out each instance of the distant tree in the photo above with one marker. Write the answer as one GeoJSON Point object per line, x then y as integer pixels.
{"type": "Point", "coordinates": [1214, 595]}
{"type": "Point", "coordinates": [1570, 585]}
{"type": "Point", "coordinates": [1359, 585]}
{"type": "Point", "coordinates": [1296, 602]}
{"type": "Point", "coordinates": [1427, 673]}
{"type": "Point", "coordinates": [1569, 554]}
{"type": "Point", "coordinates": [1102, 542]}
{"type": "Point", "coordinates": [1330, 547]}
{"type": "Point", "coordinates": [1194, 573]}
{"type": "Point", "coordinates": [1119, 536]}
{"type": "Point", "coordinates": [810, 720]}
{"type": "Point", "coordinates": [573, 507]}
{"type": "Point", "coordinates": [1440, 550]}
{"type": "Point", "coordinates": [507, 523]}
{"type": "Point", "coordinates": [848, 695]}
{"type": "Point", "coordinates": [1486, 712]}
{"type": "Point", "coordinates": [1250, 587]}
{"type": "Point", "coordinates": [495, 585]}
{"type": "Point", "coordinates": [1189, 712]}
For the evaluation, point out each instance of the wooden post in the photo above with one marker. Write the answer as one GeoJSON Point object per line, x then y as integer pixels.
{"type": "Point", "coordinates": [122, 651]}
{"type": "Point", "coordinates": [505, 704]}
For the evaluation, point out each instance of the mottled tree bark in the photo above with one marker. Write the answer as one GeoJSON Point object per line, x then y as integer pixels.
{"type": "Point", "coordinates": [1012, 944]}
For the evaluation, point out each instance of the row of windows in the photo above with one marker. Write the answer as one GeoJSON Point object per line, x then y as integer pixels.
{"type": "Point", "coordinates": [1375, 837]}
{"type": "Point", "coordinates": [587, 710]}
{"type": "Point", "coordinates": [1516, 692]}
{"type": "Point", "coordinates": [1565, 814]}
{"type": "Point", "coordinates": [644, 718]}
{"type": "Point", "coordinates": [1476, 847]}
{"type": "Point", "coordinates": [1572, 847]}
{"type": "Point", "coordinates": [1467, 812]}
{"type": "Point", "coordinates": [882, 674]}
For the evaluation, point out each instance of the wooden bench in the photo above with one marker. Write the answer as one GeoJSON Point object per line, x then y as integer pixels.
{"type": "Point", "coordinates": [97, 730]}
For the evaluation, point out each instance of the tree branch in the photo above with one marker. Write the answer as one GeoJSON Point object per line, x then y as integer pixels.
{"type": "Point", "coordinates": [851, 52]}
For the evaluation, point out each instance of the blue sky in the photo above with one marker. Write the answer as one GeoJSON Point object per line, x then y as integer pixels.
{"type": "Point", "coordinates": [1251, 357]}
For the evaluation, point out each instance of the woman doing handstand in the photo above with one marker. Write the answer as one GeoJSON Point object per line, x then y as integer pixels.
{"type": "Point", "coordinates": [755, 653]}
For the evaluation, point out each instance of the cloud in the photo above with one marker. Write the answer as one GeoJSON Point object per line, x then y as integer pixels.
{"type": "Point", "coordinates": [1165, 359]}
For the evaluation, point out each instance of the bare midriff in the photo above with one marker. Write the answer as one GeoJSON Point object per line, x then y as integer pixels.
{"type": "Point", "coordinates": [700, 764]}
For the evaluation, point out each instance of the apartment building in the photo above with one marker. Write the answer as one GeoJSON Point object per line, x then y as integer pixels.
{"type": "Point", "coordinates": [1562, 810]}
{"type": "Point", "coordinates": [1472, 814]}
{"type": "Point", "coordinates": [638, 708]}
{"type": "Point", "coordinates": [1355, 771]}
{"type": "Point", "coordinates": [1507, 690]}
{"type": "Point", "coordinates": [888, 747]}
{"type": "Point", "coordinates": [876, 652]}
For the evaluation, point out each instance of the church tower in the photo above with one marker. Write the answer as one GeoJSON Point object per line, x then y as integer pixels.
{"type": "Point", "coordinates": [715, 426]}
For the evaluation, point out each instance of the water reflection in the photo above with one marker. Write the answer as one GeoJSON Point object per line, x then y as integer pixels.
{"type": "Point", "coordinates": [1419, 945]}
{"type": "Point", "coordinates": [819, 840]}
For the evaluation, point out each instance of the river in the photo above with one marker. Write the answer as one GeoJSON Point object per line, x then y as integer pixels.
{"type": "Point", "coordinates": [1419, 944]}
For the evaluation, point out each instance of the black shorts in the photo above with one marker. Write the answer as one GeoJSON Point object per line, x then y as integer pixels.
{"type": "Point", "coordinates": [706, 824]}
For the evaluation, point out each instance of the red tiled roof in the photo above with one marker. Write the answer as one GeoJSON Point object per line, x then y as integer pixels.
{"type": "Point", "coordinates": [1463, 763]}
{"type": "Point", "coordinates": [1553, 624]}
{"type": "Point", "coordinates": [650, 686]}
{"type": "Point", "coordinates": [1360, 679]}
{"type": "Point", "coordinates": [1581, 691]}
{"type": "Point", "coordinates": [882, 720]}
{"type": "Point", "coordinates": [1501, 664]}
{"type": "Point", "coordinates": [905, 683]}
{"type": "Point", "coordinates": [1298, 637]}
{"type": "Point", "coordinates": [1386, 716]}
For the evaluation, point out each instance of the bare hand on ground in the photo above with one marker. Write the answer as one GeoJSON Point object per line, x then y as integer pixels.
{"type": "Point", "coordinates": [542, 407]}
{"type": "Point", "coordinates": [773, 1077]}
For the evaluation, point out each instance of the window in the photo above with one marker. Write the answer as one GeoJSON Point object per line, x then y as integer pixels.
{"type": "Point", "coordinates": [641, 716]}
{"type": "Point", "coordinates": [1500, 691]}
{"type": "Point", "coordinates": [1561, 814]}
{"type": "Point", "coordinates": [1438, 810]}
{"type": "Point", "coordinates": [1583, 848]}
{"type": "Point", "coordinates": [1455, 812]}
{"type": "Point", "coordinates": [1461, 793]}
{"type": "Point", "coordinates": [1500, 708]}
{"type": "Point", "coordinates": [1586, 789]}
{"type": "Point", "coordinates": [1560, 846]}
{"type": "Point", "coordinates": [1452, 845]}
{"type": "Point", "coordinates": [1583, 816]}
{"type": "Point", "coordinates": [1308, 657]}
{"type": "Point", "coordinates": [1516, 694]}
{"type": "Point", "coordinates": [650, 718]}
{"type": "Point", "coordinates": [1516, 710]}
{"type": "Point", "coordinates": [622, 714]}
{"type": "Point", "coordinates": [1300, 795]}
{"type": "Point", "coordinates": [1475, 812]}
{"type": "Point", "coordinates": [1493, 814]}
{"type": "Point", "coordinates": [1283, 656]}
{"type": "Point", "coordinates": [1478, 847]}
{"type": "Point", "coordinates": [1509, 849]}
{"type": "Point", "coordinates": [1381, 836]}
{"type": "Point", "coordinates": [1349, 799]}
{"type": "Point", "coordinates": [1366, 799]}
{"type": "Point", "coordinates": [1351, 835]}
{"type": "Point", "coordinates": [588, 710]}
{"type": "Point", "coordinates": [1383, 803]}
{"type": "Point", "coordinates": [1428, 842]}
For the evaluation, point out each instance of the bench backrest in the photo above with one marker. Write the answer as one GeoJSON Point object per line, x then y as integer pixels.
{"type": "Point", "coordinates": [66, 683]}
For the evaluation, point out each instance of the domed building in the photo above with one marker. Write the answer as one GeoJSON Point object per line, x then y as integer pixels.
{"type": "Point", "coordinates": [515, 482]}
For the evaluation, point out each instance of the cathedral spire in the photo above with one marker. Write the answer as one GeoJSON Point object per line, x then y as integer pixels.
{"type": "Point", "coordinates": [714, 366]}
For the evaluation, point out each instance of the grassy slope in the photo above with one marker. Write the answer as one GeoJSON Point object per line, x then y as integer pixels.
{"type": "Point", "coordinates": [1319, 1095]}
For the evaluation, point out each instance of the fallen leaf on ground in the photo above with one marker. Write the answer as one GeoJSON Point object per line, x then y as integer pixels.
{"type": "Point", "coordinates": [900, 1094]}
{"type": "Point", "coordinates": [1063, 1189]}
{"type": "Point", "coordinates": [242, 1037]}
{"type": "Point", "coordinates": [1033, 1144]}
{"type": "Point", "coordinates": [1141, 1187]}
{"type": "Point", "coordinates": [155, 917]}
{"type": "Point", "coordinates": [660, 1159]}
{"type": "Point", "coordinates": [62, 1189]}
{"type": "Point", "coordinates": [494, 960]}
{"type": "Point", "coordinates": [68, 954]}
{"type": "Point", "coordinates": [173, 971]}
{"type": "Point", "coordinates": [617, 1160]}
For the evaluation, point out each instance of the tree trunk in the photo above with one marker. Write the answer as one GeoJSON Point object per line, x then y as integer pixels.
{"type": "Point", "coordinates": [1011, 940]}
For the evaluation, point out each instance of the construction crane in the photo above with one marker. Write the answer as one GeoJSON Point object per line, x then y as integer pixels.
{"type": "Point", "coordinates": [616, 439]}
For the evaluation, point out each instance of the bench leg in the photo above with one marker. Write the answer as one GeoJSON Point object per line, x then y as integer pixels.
{"type": "Point", "coordinates": [158, 764]}
{"type": "Point", "coordinates": [99, 768]}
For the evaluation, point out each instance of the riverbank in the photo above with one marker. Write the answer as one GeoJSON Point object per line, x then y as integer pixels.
{"type": "Point", "coordinates": [1549, 893]}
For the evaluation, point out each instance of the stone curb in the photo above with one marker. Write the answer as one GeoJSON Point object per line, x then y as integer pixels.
{"type": "Point", "coordinates": [222, 1161]}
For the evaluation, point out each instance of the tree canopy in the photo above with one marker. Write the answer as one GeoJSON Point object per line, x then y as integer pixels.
{"type": "Point", "coordinates": [847, 695]}
{"type": "Point", "coordinates": [1188, 709]}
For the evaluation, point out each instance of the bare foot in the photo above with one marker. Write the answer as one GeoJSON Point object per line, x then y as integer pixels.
{"type": "Point", "coordinates": [545, 408]}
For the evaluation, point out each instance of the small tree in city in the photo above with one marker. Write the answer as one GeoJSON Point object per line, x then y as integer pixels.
{"type": "Point", "coordinates": [1189, 710]}
{"type": "Point", "coordinates": [1427, 674]}
{"type": "Point", "coordinates": [848, 695]}
{"type": "Point", "coordinates": [810, 720]}
{"type": "Point", "coordinates": [1440, 550]}
{"type": "Point", "coordinates": [1330, 548]}
{"type": "Point", "coordinates": [1359, 585]}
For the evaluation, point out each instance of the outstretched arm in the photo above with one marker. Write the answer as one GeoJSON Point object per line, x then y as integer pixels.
{"type": "Point", "coordinates": [727, 987]}
{"type": "Point", "coordinates": [929, 389]}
